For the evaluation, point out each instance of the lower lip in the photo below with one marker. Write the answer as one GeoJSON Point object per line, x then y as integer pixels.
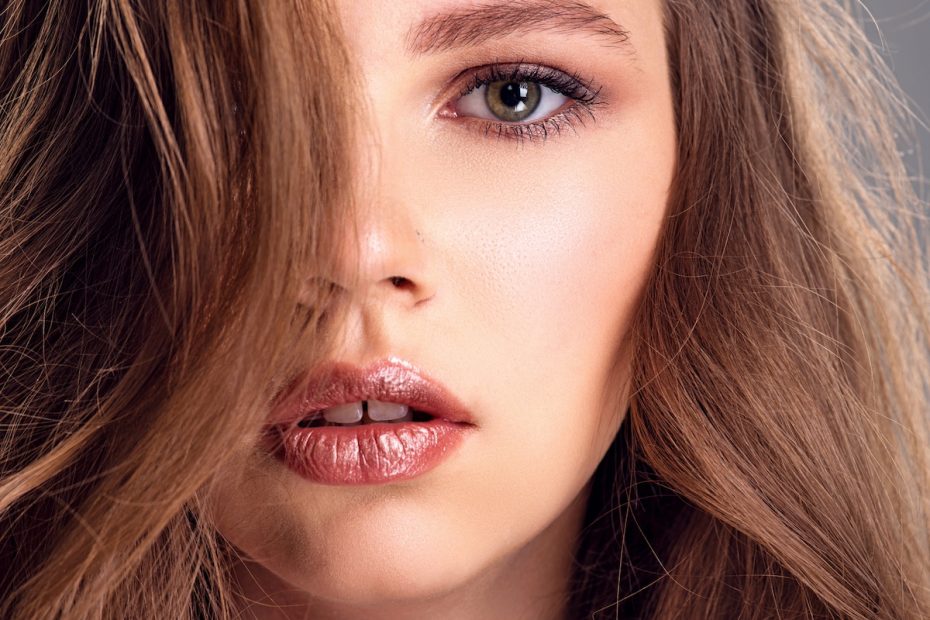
{"type": "Point", "coordinates": [370, 453]}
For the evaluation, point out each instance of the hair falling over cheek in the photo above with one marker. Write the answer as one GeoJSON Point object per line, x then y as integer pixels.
{"type": "Point", "coordinates": [157, 159]}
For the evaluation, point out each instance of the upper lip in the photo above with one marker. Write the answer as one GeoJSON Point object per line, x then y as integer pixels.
{"type": "Point", "coordinates": [389, 380]}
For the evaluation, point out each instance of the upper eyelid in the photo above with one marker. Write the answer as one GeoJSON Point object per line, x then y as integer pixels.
{"type": "Point", "coordinates": [522, 70]}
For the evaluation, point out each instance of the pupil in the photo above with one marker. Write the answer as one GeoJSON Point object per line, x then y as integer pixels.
{"type": "Point", "coordinates": [512, 94]}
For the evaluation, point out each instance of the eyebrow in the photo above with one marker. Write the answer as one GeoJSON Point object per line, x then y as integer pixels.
{"type": "Point", "coordinates": [476, 24]}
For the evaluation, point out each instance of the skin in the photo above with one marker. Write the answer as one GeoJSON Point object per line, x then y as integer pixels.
{"type": "Point", "coordinates": [525, 262]}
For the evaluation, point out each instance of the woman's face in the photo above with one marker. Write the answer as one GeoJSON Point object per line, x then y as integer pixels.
{"type": "Point", "coordinates": [524, 221]}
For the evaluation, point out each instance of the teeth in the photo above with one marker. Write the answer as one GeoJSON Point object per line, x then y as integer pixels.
{"type": "Point", "coordinates": [380, 411]}
{"type": "Point", "coordinates": [344, 414]}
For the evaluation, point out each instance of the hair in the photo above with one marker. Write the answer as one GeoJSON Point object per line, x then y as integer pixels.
{"type": "Point", "coordinates": [171, 171]}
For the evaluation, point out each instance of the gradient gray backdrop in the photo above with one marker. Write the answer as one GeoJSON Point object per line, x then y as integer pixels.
{"type": "Point", "coordinates": [905, 27]}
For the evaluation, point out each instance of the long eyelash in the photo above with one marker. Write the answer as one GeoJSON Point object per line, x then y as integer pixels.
{"type": "Point", "coordinates": [585, 96]}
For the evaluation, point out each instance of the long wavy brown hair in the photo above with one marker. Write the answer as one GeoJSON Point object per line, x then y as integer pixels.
{"type": "Point", "coordinates": [171, 170]}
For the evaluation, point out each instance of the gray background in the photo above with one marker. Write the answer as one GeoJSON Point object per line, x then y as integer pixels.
{"type": "Point", "coordinates": [905, 28]}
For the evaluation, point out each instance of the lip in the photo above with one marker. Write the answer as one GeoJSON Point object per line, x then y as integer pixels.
{"type": "Point", "coordinates": [373, 453]}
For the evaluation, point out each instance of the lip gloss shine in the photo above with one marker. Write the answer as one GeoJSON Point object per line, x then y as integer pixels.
{"type": "Point", "coordinates": [370, 453]}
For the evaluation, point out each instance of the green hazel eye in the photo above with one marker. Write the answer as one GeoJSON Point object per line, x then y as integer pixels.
{"type": "Point", "coordinates": [512, 101]}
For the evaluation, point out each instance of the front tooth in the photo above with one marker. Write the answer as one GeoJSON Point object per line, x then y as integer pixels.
{"type": "Point", "coordinates": [344, 414]}
{"type": "Point", "coordinates": [380, 411]}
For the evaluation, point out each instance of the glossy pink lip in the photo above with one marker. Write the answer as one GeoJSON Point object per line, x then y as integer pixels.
{"type": "Point", "coordinates": [369, 453]}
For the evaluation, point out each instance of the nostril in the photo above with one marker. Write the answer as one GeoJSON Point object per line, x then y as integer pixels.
{"type": "Point", "coordinates": [401, 282]}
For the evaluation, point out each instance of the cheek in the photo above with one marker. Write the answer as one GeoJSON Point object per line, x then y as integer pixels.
{"type": "Point", "coordinates": [558, 251]}
{"type": "Point", "coordinates": [550, 256]}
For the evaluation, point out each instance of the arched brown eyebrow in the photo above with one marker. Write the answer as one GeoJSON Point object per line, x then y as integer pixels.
{"type": "Point", "coordinates": [469, 26]}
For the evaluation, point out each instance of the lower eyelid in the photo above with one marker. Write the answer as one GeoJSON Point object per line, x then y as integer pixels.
{"type": "Point", "coordinates": [569, 118]}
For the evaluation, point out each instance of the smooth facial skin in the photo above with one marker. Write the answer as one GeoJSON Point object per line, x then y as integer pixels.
{"type": "Point", "coordinates": [525, 261]}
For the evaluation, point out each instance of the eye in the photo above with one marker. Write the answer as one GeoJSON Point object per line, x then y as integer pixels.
{"type": "Point", "coordinates": [522, 101]}
{"type": "Point", "coordinates": [510, 101]}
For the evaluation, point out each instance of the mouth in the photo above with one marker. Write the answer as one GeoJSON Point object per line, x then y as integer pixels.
{"type": "Point", "coordinates": [383, 423]}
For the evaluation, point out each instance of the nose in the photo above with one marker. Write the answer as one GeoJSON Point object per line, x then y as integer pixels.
{"type": "Point", "coordinates": [383, 256]}
{"type": "Point", "coordinates": [385, 260]}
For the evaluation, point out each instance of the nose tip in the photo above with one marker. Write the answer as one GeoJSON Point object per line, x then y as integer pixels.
{"type": "Point", "coordinates": [387, 264]}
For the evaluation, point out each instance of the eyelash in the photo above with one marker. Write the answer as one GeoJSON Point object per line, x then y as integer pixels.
{"type": "Point", "coordinates": [585, 96]}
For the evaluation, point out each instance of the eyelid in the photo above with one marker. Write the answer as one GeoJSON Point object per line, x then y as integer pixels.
{"type": "Point", "coordinates": [528, 72]}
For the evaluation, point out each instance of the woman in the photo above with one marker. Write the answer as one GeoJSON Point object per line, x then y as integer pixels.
{"type": "Point", "coordinates": [425, 309]}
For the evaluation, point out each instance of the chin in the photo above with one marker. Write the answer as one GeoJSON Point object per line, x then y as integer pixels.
{"type": "Point", "coordinates": [384, 553]}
